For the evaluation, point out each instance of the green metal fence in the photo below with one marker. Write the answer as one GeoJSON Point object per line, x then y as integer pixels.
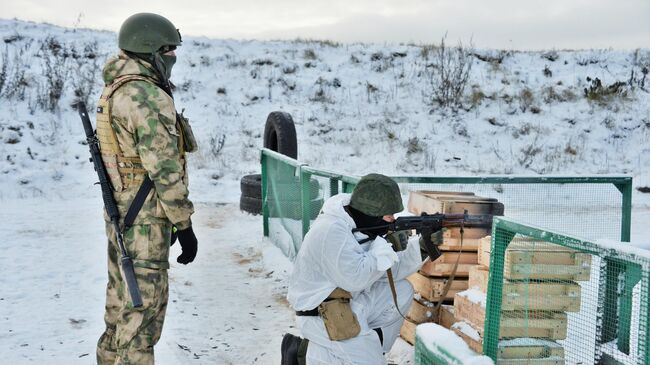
{"type": "Point", "coordinates": [586, 301]}
{"type": "Point", "coordinates": [594, 207]}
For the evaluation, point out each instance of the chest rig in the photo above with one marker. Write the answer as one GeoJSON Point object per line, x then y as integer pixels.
{"type": "Point", "coordinates": [123, 171]}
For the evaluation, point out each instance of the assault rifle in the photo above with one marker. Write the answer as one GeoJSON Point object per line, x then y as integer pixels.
{"type": "Point", "coordinates": [110, 205]}
{"type": "Point", "coordinates": [427, 224]}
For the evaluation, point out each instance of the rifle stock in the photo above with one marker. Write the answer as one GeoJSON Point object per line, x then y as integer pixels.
{"type": "Point", "coordinates": [126, 263]}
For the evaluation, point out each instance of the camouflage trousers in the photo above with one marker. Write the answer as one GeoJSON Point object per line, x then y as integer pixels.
{"type": "Point", "coordinates": [131, 333]}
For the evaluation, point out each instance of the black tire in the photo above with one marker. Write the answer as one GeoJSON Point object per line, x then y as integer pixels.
{"type": "Point", "coordinates": [280, 134]}
{"type": "Point", "coordinates": [251, 186]}
{"type": "Point", "coordinates": [290, 191]}
{"type": "Point", "coordinates": [250, 204]}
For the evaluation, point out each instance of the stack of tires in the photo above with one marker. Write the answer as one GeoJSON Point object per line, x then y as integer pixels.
{"type": "Point", "coordinates": [283, 194]}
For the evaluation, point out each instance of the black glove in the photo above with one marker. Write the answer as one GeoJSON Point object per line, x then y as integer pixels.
{"type": "Point", "coordinates": [174, 236]}
{"type": "Point", "coordinates": [188, 242]}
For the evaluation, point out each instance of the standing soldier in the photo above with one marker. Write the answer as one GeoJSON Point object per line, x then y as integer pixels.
{"type": "Point", "coordinates": [143, 143]}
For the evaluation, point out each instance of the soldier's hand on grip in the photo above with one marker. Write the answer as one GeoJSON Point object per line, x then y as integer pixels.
{"type": "Point", "coordinates": [188, 242]}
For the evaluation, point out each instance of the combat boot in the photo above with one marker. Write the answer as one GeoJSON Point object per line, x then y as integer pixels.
{"type": "Point", "coordinates": [289, 349]}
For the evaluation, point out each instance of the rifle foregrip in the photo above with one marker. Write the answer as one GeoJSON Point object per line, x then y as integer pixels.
{"type": "Point", "coordinates": [131, 283]}
{"type": "Point", "coordinates": [109, 201]}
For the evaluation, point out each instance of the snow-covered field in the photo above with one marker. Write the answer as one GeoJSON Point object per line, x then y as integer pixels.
{"type": "Point", "coordinates": [358, 108]}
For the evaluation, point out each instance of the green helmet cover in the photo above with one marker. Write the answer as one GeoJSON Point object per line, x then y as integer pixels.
{"type": "Point", "coordinates": [376, 195]}
{"type": "Point", "coordinates": [147, 33]}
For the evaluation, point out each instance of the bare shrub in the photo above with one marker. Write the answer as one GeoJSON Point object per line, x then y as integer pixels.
{"type": "Point", "coordinates": [492, 57]}
{"type": "Point", "coordinates": [217, 143]}
{"type": "Point", "coordinates": [87, 71]}
{"type": "Point", "coordinates": [16, 81]}
{"type": "Point", "coordinates": [477, 96]}
{"type": "Point", "coordinates": [4, 58]}
{"type": "Point", "coordinates": [550, 94]}
{"type": "Point", "coordinates": [309, 54]}
{"type": "Point", "coordinates": [319, 42]}
{"type": "Point", "coordinates": [551, 55]}
{"type": "Point", "coordinates": [526, 99]}
{"type": "Point", "coordinates": [413, 145]}
{"type": "Point", "coordinates": [449, 73]}
{"type": "Point", "coordinates": [54, 57]}
{"type": "Point", "coordinates": [604, 94]}
{"type": "Point", "coordinates": [322, 93]}
{"type": "Point", "coordinates": [640, 69]}
{"type": "Point", "coordinates": [528, 153]}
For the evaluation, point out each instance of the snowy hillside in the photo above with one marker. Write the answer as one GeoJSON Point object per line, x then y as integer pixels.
{"type": "Point", "coordinates": [358, 108]}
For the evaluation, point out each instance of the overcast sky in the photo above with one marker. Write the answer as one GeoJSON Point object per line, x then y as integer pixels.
{"type": "Point", "coordinates": [511, 24]}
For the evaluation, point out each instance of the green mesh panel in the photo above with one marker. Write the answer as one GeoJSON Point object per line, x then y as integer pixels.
{"type": "Point", "coordinates": [588, 303]}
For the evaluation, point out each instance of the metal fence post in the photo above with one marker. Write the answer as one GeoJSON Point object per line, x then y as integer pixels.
{"type": "Point", "coordinates": [265, 206]}
{"type": "Point", "coordinates": [305, 196]}
{"type": "Point", "coordinates": [500, 242]}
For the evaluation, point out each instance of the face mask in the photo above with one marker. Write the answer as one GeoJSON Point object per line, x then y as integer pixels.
{"type": "Point", "coordinates": [169, 62]}
{"type": "Point", "coordinates": [362, 221]}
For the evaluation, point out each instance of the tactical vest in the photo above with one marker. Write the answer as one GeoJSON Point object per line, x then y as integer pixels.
{"type": "Point", "coordinates": [123, 171]}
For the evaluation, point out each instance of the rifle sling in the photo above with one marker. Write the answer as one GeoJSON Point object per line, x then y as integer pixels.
{"type": "Point", "coordinates": [445, 290]}
{"type": "Point", "coordinates": [137, 202]}
{"type": "Point", "coordinates": [391, 283]}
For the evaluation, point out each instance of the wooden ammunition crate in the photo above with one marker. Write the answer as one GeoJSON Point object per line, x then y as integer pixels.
{"type": "Point", "coordinates": [531, 295]}
{"type": "Point", "coordinates": [444, 265]}
{"type": "Point", "coordinates": [528, 259]}
{"type": "Point", "coordinates": [521, 351]}
{"type": "Point", "coordinates": [407, 331]}
{"type": "Point", "coordinates": [431, 203]}
{"type": "Point", "coordinates": [431, 288]}
{"type": "Point", "coordinates": [447, 317]}
{"type": "Point", "coordinates": [422, 311]}
{"type": "Point", "coordinates": [533, 324]}
{"type": "Point", "coordinates": [471, 239]}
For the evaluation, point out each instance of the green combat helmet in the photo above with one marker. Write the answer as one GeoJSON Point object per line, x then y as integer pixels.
{"type": "Point", "coordinates": [147, 33]}
{"type": "Point", "coordinates": [149, 36]}
{"type": "Point", "coordinates": [376, 195]}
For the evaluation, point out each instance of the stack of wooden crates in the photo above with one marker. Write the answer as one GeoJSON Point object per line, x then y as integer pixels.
{"type": "Point", "coordinates": [539, 289]}
{"type": "Point", "coordinates": [539, 286]}
{"type": "Point", "coordinates": [430, 281]}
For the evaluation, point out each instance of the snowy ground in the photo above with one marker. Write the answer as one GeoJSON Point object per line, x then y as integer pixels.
{"type": "Point", "coordinates": [227, 307]}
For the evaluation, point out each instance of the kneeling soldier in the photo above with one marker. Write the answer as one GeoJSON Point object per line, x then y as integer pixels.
{"type": "Point", "coordinates": [339, 286]}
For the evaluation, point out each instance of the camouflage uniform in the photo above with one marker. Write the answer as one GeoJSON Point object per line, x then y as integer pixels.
{"type": "Point", "coordinates": [144, 123]}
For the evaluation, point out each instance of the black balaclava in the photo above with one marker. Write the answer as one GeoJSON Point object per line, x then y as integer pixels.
{"type": "Point", "coordinates": [162, 64]}
{"type": "Point", "coordinates": [362, 220]}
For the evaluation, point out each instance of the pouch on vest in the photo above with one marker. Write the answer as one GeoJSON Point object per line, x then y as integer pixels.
{"type": "Point", "coordinates": [189, 142]}
{"type": "Point", "coordinates": [340, 322]}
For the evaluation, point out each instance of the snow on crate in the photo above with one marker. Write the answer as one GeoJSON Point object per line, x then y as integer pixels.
{"type": "Point", "coordinates": [442, 343]}
{"type": "Point", "coordinates": [475, 296]}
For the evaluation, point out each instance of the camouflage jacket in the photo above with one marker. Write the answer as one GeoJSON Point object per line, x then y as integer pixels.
{"type": "Point", "coordinates": [143, 118]}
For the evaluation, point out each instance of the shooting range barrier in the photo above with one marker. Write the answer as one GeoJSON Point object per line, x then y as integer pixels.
{"type": "Point", "coordinates": [605, 282]}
